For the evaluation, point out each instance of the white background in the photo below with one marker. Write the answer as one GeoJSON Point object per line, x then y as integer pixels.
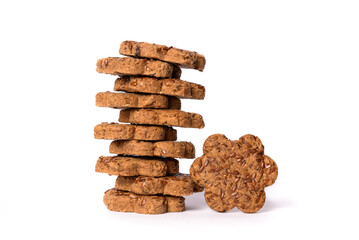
{"type": "Point", "coordinates": [286, 71]}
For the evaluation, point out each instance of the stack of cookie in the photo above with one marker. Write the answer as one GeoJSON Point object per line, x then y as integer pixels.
{"type": "Point", "coordinates": [148, 174]}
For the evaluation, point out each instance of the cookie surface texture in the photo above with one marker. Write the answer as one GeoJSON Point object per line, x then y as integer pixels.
{"type": "Point", "coordinates": [234, 173]}
{"type": "Point", "coordinates": [184, 58]}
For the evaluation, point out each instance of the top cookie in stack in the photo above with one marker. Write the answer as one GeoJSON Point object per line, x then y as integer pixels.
{"type": "Point", "coordinates": [180, 57]}
{"type": "Point", "coordinates": [149, 78]}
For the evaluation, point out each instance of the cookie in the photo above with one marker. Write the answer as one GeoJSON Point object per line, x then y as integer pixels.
{"type": "Point", "coordinates": [159, 149]}
{"type": "Point", "coordinates": [162, 117]}
{"type": "Point", "coordinates": [135, 66]}
{"type": "Point", "coordinates": [133, 100]}
{"type": "Point", "coordinates": [115, 131]}
{"type": "Point", "coordinates": [174, 185]}
{"type": "Point", "coordinates": [121, 201]}
{"type": "Point", "coordinates": [134, 166]}
{"type": "Point", "coordinates": [167, 86]}
{"type": "Point", "coordinates": [234, 173]}
{"type": "Point", "coordinates": [183, 58]}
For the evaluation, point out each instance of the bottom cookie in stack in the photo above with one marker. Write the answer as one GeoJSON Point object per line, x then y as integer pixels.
{"type": "Point", "coordinates": [121, 201]}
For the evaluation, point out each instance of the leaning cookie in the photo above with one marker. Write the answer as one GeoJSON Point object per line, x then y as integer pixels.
{"type": "Point", "coordinates": [174, 185]}
{"type": "Point", "coordinates": [120, 201]}
{"type": "Point", "coordinates": [234, 173]}
{"type": "Point", "coordinates": [184, 58]}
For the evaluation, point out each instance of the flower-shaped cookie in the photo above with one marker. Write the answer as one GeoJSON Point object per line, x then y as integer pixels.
{"type": "Point", "coordinates": [234, 173]}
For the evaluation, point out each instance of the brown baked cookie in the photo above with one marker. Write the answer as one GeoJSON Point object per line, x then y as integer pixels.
{"type": "Point", "coordinates": [162, 117]}
{"type": "Point", "coordinates": [166, 86]}
{"type": "Point", "coordinates": [133, 100]}
{"type": "Point", "coordinates": [134, 166]}
{"type": "Point", "coordinates": [174, 185]}
{"type": "Point", "coordinates": [115, 131]}
{"type": "Point", "coordinates": [234, 173]}
{"type": "Point", "coordinates": [159, 149]}
{"type": "Point", "coordinates": [184, 58]}
{"type": "Point", "coordinates": [121, 201]}
{"type": "Point", "coordinates": [135, 66]}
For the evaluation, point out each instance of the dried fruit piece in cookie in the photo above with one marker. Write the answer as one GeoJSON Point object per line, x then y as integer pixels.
{"type": "Point", "coordinates": [120, 201]}
{"type": "Point", "coordinates": [184, 58]}
{"type": "Point", "coordinates": [134, 166]}
{"type": "Point", "coordinates": [165, 117]}
{"type": "Point", "coordinates": [174, 185]}
{"type": "Point", "coordinates": [134, 66]}
{"type": "Point", "coordinates": [234, 173]}
{"type": "Point", "coordinates": [177, 72]}
{"type": "Point", "coordinates": [116, 131]}
{"type": "Point", "coordinates": [167, 86]}
{"type": "Point", "coordinates": [134, 100]}
{"type": "Point", "coordinates": [159, 149]}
